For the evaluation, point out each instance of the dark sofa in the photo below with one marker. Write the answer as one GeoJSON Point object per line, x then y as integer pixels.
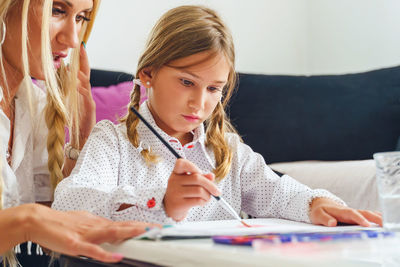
{"type": "Point", "coordinates": [295, 118]}
{"type": "Point", "coordinates": [321, 130]}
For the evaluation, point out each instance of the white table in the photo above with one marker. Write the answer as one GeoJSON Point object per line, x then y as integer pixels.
{"type": "Point", "coordinates": [203, 252]}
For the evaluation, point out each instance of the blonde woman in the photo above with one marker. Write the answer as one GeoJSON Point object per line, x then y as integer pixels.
{"type": "Point", "coordinates": [188, 70]}
{"type": "Point", "coordinates": [35, 37]}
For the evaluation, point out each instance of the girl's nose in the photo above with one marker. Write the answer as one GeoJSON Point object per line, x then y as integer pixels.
{"type": "Point", "coordinates": [198, 99]}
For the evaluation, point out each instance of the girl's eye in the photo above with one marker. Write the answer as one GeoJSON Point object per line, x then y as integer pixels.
{"type": "Point", "coordinates": [57, 11]}
{"type": "Point", "coordinates": [186, 82]}
{"type": "Point", "coordinates": [214, 89]}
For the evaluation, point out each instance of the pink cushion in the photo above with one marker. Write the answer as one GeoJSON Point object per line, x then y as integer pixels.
{"type": "Point", "coordinates": [112, 101]}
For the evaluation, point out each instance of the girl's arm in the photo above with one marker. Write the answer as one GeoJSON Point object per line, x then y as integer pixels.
{"type": "Point", "coordinates": [96, 175]}
{"type": "Point", "coordinates": [95, 183]}
{"type": "Point", "coordinates": [72, 233]}
{"type": "Point", "coordinates": [265, 194]}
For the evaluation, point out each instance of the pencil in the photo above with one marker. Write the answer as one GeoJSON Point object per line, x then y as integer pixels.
{"type": "Point", "coordinates": [220, 200]}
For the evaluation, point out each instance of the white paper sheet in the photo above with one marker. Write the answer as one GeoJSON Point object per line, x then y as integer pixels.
{"type": "Point", "coordinates": [234, 227]}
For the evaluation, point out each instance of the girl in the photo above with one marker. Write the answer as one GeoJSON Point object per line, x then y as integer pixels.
{"type": "Point", "coordinates": [125, 172]}
{"type": "Point", "coordinates": [35, 36]}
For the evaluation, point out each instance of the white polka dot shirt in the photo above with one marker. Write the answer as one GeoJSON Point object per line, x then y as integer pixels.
{"type": "Point", "coordinates": [110, 171]}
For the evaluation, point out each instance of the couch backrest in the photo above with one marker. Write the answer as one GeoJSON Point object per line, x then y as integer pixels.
{"type": "Point", "coordinates": [329, 117]}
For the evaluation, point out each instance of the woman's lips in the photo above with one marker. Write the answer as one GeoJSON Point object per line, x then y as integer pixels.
{"type": "Point", "coordinates": [57, 62]}
{"type": "Point", "coordinates": [57, 58]}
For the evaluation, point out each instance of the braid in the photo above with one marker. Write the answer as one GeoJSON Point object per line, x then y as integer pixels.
{"type": "Point", "coordinates": [55, 121]}
{"type": "Point", "coordinates": [131, 121]}
{"type": "Point", "coordinates": [217, 125]}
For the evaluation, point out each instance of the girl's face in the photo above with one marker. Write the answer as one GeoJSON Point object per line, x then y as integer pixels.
{"type": "Point", "coordinates": [66, 22]}
{"type": "Point", "coordinates": [182, 97]}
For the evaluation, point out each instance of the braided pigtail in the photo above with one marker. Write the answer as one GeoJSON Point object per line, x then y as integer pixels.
{"type": "Point", "coordinates": [131, 121]}
{"type": "Point", "coordinates": [217, 125]}
{"type": "Point", "coordinates": [55, 121]}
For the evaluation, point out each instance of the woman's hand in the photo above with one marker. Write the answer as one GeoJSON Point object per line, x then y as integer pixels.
{"type": "Point", "coordinates": [72, 233]}
{"type": "Point", "coordinates": [328, 212]}
{"type": "Point", "coordinates": [187, 187]}
{"type": "Point", "coordinates": [87, 106]}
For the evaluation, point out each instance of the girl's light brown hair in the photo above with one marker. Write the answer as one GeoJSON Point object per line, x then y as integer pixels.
{"type": "Point", "coordinates": [179, 33]}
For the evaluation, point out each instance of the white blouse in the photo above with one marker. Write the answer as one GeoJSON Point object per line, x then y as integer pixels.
{"type": "Point", "coordinates": [110, 171]}
{"type": "Point", "coordinates": [27, 179]}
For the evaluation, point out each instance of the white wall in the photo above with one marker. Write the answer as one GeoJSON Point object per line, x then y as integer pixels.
{"type": "Point", "coordinates": [352, 35]}
{"type": "Point", "coordinates": [271, 36]}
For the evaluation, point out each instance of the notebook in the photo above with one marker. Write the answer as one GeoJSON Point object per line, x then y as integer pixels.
{"type": "Point", "coordinates": [206, 229]}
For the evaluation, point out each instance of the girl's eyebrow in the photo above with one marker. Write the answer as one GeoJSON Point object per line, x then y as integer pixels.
{"type": "Point", "coordinates": [197, 77]}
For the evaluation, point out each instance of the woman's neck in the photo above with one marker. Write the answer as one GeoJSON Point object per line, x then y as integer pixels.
{"type": "Point", "coordinates": [10, 81]}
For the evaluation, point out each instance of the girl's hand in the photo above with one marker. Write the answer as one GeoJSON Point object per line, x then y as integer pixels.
{"type": "Point", "coordinates": [187, 187]}
{"type": "Point", "coordinates": [87, 106]}
{"type": "Point", "coordinates": [327, 212]}
{"type": "Point", "coordinates": [77, 232]}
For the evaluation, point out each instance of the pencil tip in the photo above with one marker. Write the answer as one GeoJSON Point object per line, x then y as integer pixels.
{"type": "Point", "coordinates": [245, 224]}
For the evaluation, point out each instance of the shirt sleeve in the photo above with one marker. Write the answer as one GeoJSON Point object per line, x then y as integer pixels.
{"type": "Point", "coordinates": [94, 183]}
{"type": "Point", "coordinates": [265, 194]}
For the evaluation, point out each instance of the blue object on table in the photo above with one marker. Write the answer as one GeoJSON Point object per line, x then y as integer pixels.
{"type": "Point", "coordinates": [279, 238]}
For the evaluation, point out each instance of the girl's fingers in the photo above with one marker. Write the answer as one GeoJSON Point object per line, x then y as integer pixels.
{"type": "Point", "coordinates": [347, 215]}
{"type": "Point", "coordinates": [210, 176]}
{"type": "Point", "coordinates": [196, 179]}
{"type": "Point", "coordinates": [196, 192]}
{"type": "Point", "coordinates": [372, 216]}
{"type": "Point", "coordinates": [323, 218]}
{"type": "Point", "coordinates": [192, 202]}
{"type": "Point", "coordinates": [183, 166]}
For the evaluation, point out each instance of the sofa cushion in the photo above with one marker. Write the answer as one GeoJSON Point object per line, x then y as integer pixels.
{"type": "Point", "coordinates": [323, 117]}
{"type": "Point", "coordinates": [352, 181]}
{"type": "Point", "coordinates": [328, 117]}
{"type": "Point", "coordinates": [104, 78]}
{"type": "Point", "coordinates": [398, 144]}
{"type": "Point", "coordinates": [111, 101]}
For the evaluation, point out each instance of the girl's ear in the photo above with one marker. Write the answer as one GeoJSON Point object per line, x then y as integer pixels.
{"type": "Point", "coordinates": [145, 76]}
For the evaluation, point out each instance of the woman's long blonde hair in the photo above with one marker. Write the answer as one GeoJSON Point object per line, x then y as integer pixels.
{"type": "Point", "coordinates": [181, 32]}
{"type": "Point", "coordinates": [55, 114]}
{"type": "Point", "coordinates": [62, 96]}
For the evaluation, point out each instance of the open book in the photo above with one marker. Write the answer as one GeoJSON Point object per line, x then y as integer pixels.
{"type": "Point", "coordinates": [234, 227]}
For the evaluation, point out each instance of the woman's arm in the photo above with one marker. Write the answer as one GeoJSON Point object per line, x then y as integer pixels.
{"type": "Point", "coordinates": [87, 109]}
{"type": "Point", "coordinates": [71, 233]}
